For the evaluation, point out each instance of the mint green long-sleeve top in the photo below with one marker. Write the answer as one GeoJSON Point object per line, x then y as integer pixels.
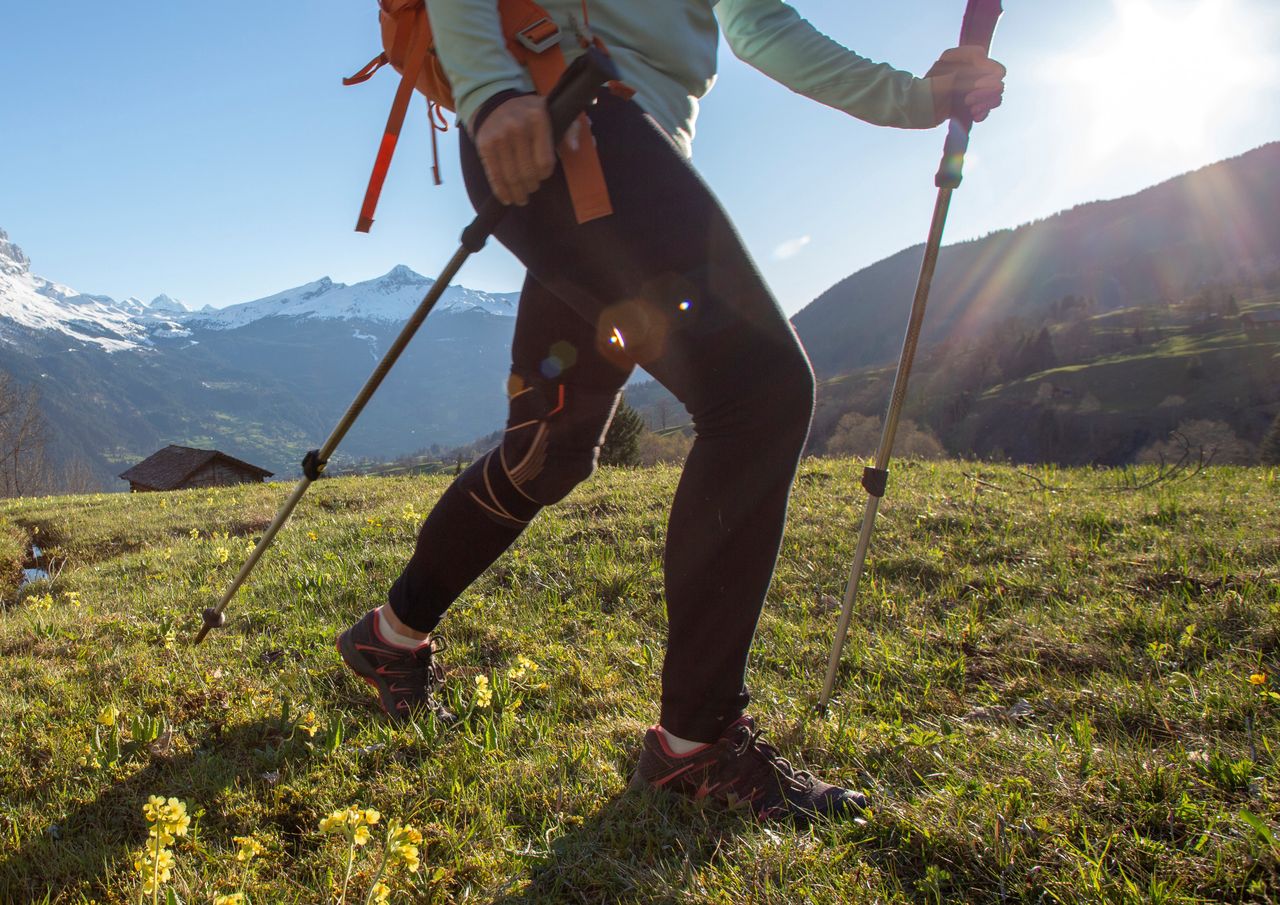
{"type": "Point", "coordinates": [666, 51]}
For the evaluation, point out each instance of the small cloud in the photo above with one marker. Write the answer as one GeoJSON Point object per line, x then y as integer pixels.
{"type": "Point", "coordinates": [790, 248]}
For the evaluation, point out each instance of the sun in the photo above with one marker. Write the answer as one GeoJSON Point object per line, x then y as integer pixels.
{"type": "Point", "coordinates": [1163, 73]}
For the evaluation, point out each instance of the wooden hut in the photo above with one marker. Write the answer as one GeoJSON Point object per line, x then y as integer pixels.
{"type": "Point", "coordinates": [1265, 321]}
{"type": "Point", "coordinates": [181, 467]}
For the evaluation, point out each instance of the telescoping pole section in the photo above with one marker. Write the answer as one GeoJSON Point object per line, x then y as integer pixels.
{"type": "Point", "coordinates": [979, 27]}
{"type": "Point", "coordinates": [574, 92]}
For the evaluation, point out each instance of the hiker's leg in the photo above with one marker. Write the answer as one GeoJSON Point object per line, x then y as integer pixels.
{"type": "Point", "coordinates": [562, 396]}
{"type": "Point", "coordinates": [668, 271]}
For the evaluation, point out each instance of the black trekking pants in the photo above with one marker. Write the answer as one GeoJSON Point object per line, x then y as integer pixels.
{"type": "Point", "coordinates": [663, 282]}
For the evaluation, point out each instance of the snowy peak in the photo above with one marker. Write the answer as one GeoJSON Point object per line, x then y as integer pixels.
{"type": "Point", "coordinates": [390, 298]}
{"type": "Point", "coordinates": [162, 302]}
{"type": "Point", "coordinates": [13, 260]}
{"type": "Point", "coordinates": [400, 275]}
{"type": "Point", "coordinates": [31, 303]}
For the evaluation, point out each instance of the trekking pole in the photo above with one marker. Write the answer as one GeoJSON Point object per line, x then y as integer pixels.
{"type": "Point", "coordinates": [573, 93]}
{"type": "Point", "coordinates": [979, 27]}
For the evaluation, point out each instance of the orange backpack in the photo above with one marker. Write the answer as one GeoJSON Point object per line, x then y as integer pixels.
{"type": "Point", "coordinates": [409, 46]}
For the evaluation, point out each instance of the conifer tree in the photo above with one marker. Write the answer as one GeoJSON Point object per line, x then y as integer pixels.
{"type": "Point", "coordinates": [622, 442]}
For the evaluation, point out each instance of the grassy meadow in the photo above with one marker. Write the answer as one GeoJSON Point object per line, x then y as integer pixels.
{"type": "Point", "coordinates": [1057, 688]}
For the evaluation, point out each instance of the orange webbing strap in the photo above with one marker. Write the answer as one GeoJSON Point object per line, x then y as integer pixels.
{"type": "Point", "coordinates": [419, 33]}
{"type": "Point", "coordinates": [533, 40]}
{"type": "Point", "coordinates": [369, 69]}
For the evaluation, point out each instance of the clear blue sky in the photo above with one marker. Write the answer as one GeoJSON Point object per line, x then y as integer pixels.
{"type": "Point", "coordinates": [208, 150]}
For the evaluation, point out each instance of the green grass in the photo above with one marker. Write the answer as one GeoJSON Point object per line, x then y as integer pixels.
{"type": "Point", "coordinates": [1046, 692]}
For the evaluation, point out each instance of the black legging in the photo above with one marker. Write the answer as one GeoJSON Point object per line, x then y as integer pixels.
{"type": "Point", "coordinates": [665, 283]}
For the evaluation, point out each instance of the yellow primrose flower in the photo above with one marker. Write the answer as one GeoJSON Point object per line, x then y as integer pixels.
{"type": "Point", "coordinates": [247, 848]}
{"type": "Point", "coordinates": [402, 845]}
{"type": "Point", "coordinates": [176, 817]}
{"type": "Point", "coordinates": [195, 533]}
{"type": "Point", "coordinates": [223, 554]}
{"type": "Point", "coordinates": [155, 869]}
{"type": "Point", "coordinates": [334, 822]}
{"type": "Point", "coordinates": [360, 836]}
{"type": "Point", "coordinates": [308, 724]}
{"type": "Point", "coordinates": [313, 535]}
{"type": "Point", "coordinates": [381, 892]}
{"type": "Point", "coordinates": [234, 898]}
{"type": "Point", "coordinates": [370, 816]}
{"type": "Point", "coordinates": [151, 810]}
{"type": "Point", "coordinates": [1258, 678]}
{"type": "Point", "coordinates": [107, 715]}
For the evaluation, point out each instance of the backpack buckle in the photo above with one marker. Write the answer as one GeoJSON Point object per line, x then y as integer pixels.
{"type": "Point", "coordinates": [540, 36]}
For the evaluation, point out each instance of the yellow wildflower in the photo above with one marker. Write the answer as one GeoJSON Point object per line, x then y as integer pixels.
{"type": "Point", "coordinates": [1258, 678]}
{"type": "Point", "coordinates": [484, 694]}
{"type": "Point", "coordinates": [523, 665]}
{"type": "Point", "coordinates": [313, 535]}
{"type": "Point", "coordinates": [223, 554]}
{"type": "Point", "coordinates": [309, 725]}
{"type": "Point", "coordinates": [402, 845]}
{"type": "Point", "coordinates": [381, 892]}
{"type": "Point", "coordinates": [167, 818]}
{"type": "Point", "coordinates": [334, 822]}
{"type": "Point", "coordinates": [195, 533]}
{"type": "Point", "coordinates": [155, 868]}
{"type": "Point", "coordinates": [234, 898]}
{"type": "Point", "coordinates": [108, 715]}
{"type": "Point", "coordinates": [247, 848]}
{"type": "Point", "coordinates": [352, 820]}
{"type": "Point", "coordinates": [360, 836]}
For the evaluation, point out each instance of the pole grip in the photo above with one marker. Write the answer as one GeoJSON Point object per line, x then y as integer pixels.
{"type": "Point", "coordinates": [980, 18]}
{"type": "Point", "coordinates": [577, 88]}
{"type": "Point", "coordinates": [978, 30]}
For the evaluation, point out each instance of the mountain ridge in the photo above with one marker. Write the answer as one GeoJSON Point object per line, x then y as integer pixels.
{"type": "Point", "coordinates": [1215, 224]}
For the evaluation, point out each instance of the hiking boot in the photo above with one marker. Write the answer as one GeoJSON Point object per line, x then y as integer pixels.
{"type": "Point", "coordinates": [404, 679]}
{"type": "Point", "coordinates": [741, 769]}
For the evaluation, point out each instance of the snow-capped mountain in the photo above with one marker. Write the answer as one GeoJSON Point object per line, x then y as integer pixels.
{"type": "Point", "coordinates": [263, 380]}
{"type": "Point", "coordinates": [390, 298]}
{"type": "Point", "coordinates": [32, 303]}
{"type": "Point", "coordinates": [39, 304]}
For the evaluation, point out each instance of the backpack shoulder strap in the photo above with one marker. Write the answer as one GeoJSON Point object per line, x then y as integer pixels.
{"type": "Point", "coordinates": [413, 29]}
{"type": "Point", "coordinates": [534, 40]}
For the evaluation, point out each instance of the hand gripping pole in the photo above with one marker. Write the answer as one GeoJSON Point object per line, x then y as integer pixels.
{"type": "Point", "coordinates": [979, 28]}
{"type": "Point", "coordinates": [576, 90]}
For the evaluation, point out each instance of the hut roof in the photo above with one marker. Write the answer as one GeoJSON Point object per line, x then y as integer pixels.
{"type": "Point", "coordinates": [172, 465]}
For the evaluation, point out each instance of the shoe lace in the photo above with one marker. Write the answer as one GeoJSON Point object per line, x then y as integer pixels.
{"type": "Point", "coordinates": [425, 656]}
{"type": "Point", "coordinates": [766, 762]}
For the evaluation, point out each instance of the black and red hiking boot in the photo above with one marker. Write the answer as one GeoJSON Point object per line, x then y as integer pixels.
{"type": "Point", "coordinates": [742, 770]}
{"type": "Point", "coordinates": [406, 680]}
